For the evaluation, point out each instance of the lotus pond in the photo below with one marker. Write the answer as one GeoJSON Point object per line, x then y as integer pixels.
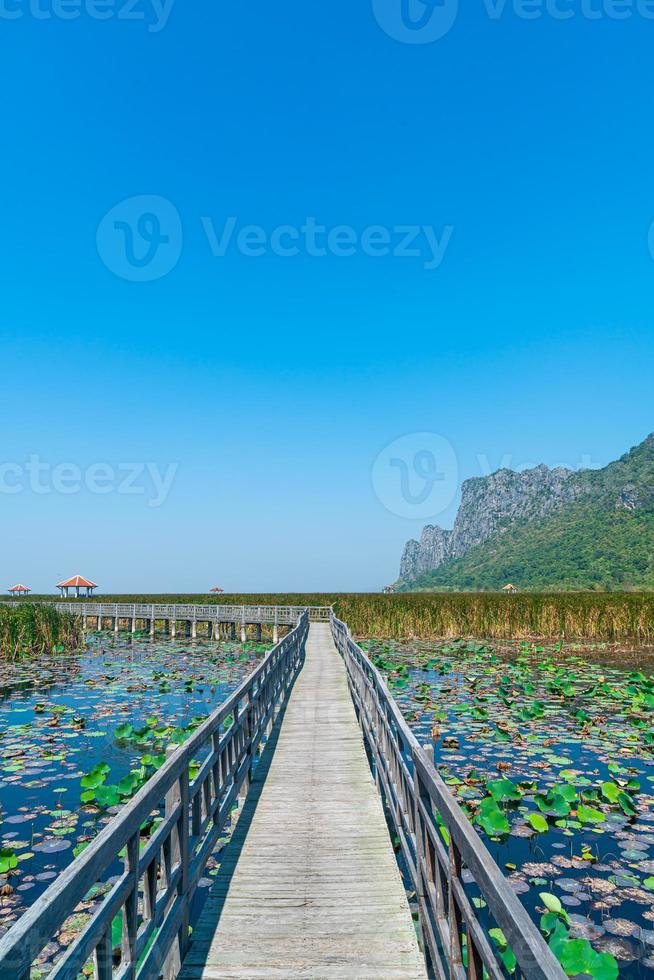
{"type": "Point", "coordinates": [550, 752]}
{"type": "Point", "coordinates": [79, 734]}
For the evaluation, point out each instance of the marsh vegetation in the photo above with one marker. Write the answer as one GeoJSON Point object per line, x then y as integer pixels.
{"type": "Point", "coordinates": [80, 734]}
{"type": "Point", "coordinates": [572, 615]}
{"type": "Point", "coordinates": [549, 750]}
{"type": "Point", "coordinates": [31, 630]}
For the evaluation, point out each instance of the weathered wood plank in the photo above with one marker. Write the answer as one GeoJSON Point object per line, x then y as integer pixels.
{"type": "Point", "coordinates": [309, 885]}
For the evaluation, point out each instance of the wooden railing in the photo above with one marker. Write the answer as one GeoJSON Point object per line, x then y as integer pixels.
{"type": "Point", "coordinates": [425, 815]}
{"type": "Point", "coordinates": [160, 873]}
{"type": "Point", "coordinates": [210, 612]}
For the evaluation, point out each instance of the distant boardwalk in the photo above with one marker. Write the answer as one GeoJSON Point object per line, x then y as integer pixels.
{"type": "Point", "coordinates": [310, 886]}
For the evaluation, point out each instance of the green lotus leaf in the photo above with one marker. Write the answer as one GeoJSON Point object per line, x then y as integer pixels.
{"type": "Point", "coordinates": [588, 814]}
{"type": "Point", "coordinates": [538, 822]}
{"type": "Point", "coordinates": [551, 902]}
{"type": "Point", "coordinates": [503, 790]}
{"type": "Point", "coordinates": [492, 819]}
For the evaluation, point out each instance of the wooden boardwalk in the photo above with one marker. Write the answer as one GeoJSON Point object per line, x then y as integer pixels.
{"type": "Point", "coordinates": [309, 886]}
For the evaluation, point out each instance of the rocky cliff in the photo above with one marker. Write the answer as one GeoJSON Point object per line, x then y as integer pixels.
{"type": "Point", "coordinates": [545, 527]}
{"type": "Point", "coordinates": [490, 505]}
{"type": "Point", "coordinates": [425, 555]}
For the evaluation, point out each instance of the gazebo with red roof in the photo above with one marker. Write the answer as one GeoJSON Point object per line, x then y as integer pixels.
{"type": "Point", "coordinates": [216, 588]}
{"type": "Point", "coordinates": [19, 590]}
{"type": "Point", "coordinates": [77, 582]}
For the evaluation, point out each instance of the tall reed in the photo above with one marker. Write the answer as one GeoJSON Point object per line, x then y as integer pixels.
{"type": "Point", "coordinates": [572, 615]}
{"type": "Point", "coordinates": [30, 630]}
{"type": "Point", "coordinates": [582, 615]}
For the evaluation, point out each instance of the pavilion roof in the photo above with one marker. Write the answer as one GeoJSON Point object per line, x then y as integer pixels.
{"type": "Point", "coordinates": [77, 580]}
{"type": "Point", "coordinates": [19, 588]}
{"type": "Point", "coordinates": [216, 588]}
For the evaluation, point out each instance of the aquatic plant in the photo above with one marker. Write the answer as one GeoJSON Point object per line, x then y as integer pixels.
{"type": "Point", "coordinates": [549, 750]}
{"type": "Point", "coordinates": [581, 615]}
{"type": "Point", "coordinates": [80, 735]}
{"type": "Point", "coordinates": [27, 629]}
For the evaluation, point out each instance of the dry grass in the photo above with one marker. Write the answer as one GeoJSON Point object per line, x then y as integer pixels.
{"type": "Point", "coordinates": [578, 615]}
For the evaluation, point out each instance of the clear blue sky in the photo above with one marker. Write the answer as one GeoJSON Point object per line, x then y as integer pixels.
{"type": "Point", "coordinates": [272, 383]}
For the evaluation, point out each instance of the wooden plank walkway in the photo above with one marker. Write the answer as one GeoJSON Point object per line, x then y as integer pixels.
{"type": "Point", "coordinates": [309, 886]}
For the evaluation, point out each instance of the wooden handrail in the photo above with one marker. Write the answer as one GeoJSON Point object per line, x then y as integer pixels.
{"type": "Point", "coordinates": [160, 873]}
{"type": "Point", "coordinates": [419, 804]}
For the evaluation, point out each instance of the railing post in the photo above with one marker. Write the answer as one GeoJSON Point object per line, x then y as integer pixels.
{"type": "Point", "coordinates": [454, 912]}
{"type": "Point", "coordinates": [179, 794]}
{"type": "Point", "coordinates": [102, 958]}
{"type": "Point", "coordinates": [130, 909]}
{"type": "Point", "coordinates": [420, 795]}
{"type": "Point", "coordinates": [247, 736]}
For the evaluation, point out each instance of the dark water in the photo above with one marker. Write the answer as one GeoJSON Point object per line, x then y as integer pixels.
{"type": "Point", "coordinates": [546, 719]}
{"type": "Point", "coordinates": [58, 720]}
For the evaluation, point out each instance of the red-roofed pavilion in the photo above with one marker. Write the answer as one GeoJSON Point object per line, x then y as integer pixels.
{"type": "Point", "coordinates": [216, 588]}
{"type": "Point", "coordinates": [19, 590]}
{"type": "Point", "coordinates": [77, 582]}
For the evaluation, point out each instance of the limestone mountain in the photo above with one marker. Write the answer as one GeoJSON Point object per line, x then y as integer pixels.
{"type": "Point", "coordinates": [545, 528]}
